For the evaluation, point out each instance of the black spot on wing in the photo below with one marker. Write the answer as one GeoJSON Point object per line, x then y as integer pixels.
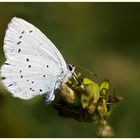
{"type": "Point", "coordinates": [44, 75]}
{"type": "Point", "coordinates": [10, 85]}
{"type": "Point", "coordinates": [2, 78]}
{"type": "Point", "coordinates": [20, 37]}
{"type": "Point", "coordinates": [21, 76]}
{"type": "Point", "coordinates": [40, 90]}
{"type": "Point", "coordinates": [18, 42]}
{"type": "Point", "coordinates": [32, 89]}
{"type": "Point", "coordinates": [29, 66]}
{"type": "Point", "coordinates": [20, 71]}
{"type": "Point", "coordinates": [23, 32]}
{"type": "Point", "coordinates": [27, 59]}
{"type": "Point", "coordinates": [30, 31]}
{"type": "Point", "coordinates": [47, 66]}
{"type": "Point", "coordinates": [7, 64]}
{"type": "Point", "coordinates": [19, 50]}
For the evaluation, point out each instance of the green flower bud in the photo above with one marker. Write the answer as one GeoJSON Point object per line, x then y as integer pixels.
{"type": "Point", "coordinates": [90, 96]}
{"type": "Point", "coordinates": [104, 87]}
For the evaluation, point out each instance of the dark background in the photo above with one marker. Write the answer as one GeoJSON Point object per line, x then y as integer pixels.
{"type": "Point", "coordinates": [102, 37]}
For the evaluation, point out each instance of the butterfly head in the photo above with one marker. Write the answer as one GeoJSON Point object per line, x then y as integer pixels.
{"type": "Point", "coordinates": [71, 68]}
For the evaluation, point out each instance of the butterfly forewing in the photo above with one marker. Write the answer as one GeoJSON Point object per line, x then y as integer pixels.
{"type": "Point", "coordinates": [34, 65]}
{"type": "Point", "coordinates": [23, 37]}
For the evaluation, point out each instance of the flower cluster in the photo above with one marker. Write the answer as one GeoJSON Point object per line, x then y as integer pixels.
{"type": "Point", "coordinates": [84, 100]}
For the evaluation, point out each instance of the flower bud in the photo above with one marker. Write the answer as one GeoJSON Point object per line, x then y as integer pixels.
{"type": "Point", "coordinates": [67, 93]}
{"type": "Point", "coordinates": [90, 96]}
{"type": "Point", "coordinates": [104, 87]}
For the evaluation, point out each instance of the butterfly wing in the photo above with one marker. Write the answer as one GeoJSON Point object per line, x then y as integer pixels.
{"type": "Point", "coordinates": [28, 77]}
{"type": "Point", "coordinates": [33, 64]}
{"type": "Point", "coordinates": [23, 38]}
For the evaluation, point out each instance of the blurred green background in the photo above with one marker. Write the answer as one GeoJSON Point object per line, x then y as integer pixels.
{"type": "Point", "coordinates": [102, 37]}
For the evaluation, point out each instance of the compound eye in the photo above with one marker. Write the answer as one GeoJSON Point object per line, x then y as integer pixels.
{"type": "Point", "coordinates": [70, 68]}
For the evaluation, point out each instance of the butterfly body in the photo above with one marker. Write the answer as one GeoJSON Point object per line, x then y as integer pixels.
{"type": "Point", "coordinates": [33, 66]}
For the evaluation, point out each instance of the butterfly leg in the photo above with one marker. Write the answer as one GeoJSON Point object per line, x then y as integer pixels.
{"type": "Point", "coordinates": [49, 97]}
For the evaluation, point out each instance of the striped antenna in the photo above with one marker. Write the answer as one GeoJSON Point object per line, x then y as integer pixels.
{"type": "Point", "coordinates": [93, 74]}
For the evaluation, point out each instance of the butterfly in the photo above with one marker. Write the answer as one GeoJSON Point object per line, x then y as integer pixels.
{"type": "Point", "coordinates": [33, 66]}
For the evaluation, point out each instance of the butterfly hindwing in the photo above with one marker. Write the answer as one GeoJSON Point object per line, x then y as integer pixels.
{"type": "Point", "coordinates": [27, 77]}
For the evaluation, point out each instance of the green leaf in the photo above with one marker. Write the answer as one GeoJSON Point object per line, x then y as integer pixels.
{"type": "Point", "coordinates": [104, 87]}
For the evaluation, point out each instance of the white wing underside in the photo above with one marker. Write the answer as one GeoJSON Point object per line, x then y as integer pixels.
{"type": "Point", "coordinates": [33, 63]}
{"type": "Point", "coordinates": [26, 37]}
{"type": "Point", "coordinates": [28, 79]}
